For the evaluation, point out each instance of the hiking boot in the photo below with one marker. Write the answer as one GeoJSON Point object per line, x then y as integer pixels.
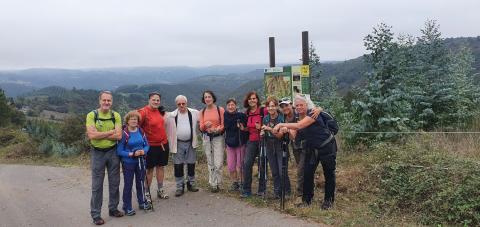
{"type": "Point", "coordinates": [98, 221]}
{"type": "Point", "coordinates": [235, 187]}
{"type": "Point", "coordinates": [148, 197]}
{"type": "Point", "coordinates": [179, 192]}
{"type": "Point", "coordinates": [214, 189]}
{"type": "Point", "coordinates": [115, 213]}
{"type": "Point", "coordinates": [161, 194]}
{"type": "Point", "coordinates": [327, 205]}
{"type": "Point", "coordinates": [192, 187]}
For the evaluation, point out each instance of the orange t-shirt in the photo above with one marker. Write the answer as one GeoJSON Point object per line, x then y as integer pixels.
{"type": "Point", "coordinates": [153, 125]}
{"type": "Point", "coordinates": [212, 116]}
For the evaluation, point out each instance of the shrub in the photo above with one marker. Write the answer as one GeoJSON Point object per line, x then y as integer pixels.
{"type": "Point", "coordinates": [434, 185]}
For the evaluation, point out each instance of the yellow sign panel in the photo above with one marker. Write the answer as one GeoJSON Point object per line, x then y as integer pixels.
{"type": "Point", "coordinates": [305, 69]}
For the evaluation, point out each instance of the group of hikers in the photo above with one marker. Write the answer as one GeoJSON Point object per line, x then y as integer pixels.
{"type": "Point", "coordinates": [148, 135]}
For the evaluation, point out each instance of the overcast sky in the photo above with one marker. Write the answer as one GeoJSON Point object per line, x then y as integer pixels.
{"type": "Point", "coordinates": [110, 33]}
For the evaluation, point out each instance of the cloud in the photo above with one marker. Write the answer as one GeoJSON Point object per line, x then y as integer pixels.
{"type": "Point", "coordinates": [92, 33]}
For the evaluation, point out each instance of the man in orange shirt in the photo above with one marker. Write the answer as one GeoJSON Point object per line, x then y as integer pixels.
{"type": "Point", "coordinates": [153, 125]}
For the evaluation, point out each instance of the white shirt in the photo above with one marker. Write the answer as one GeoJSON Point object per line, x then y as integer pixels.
{"type": "Point", "coordinates": [183, 126]}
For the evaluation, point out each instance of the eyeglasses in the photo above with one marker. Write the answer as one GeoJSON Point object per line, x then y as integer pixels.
{"type": "Point", "coordinates": [181, 104]}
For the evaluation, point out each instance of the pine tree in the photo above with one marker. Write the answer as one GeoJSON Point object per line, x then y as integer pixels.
{"type": "Point", "coordinates": [381, 106]}
{"type": "Point", "coordinates": [5, 110]}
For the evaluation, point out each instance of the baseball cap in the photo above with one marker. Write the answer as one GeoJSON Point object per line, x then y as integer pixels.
{"type": "Point", "coordinates": [285, 100]}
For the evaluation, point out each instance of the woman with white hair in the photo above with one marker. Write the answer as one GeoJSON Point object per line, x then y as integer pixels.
{"type": "Point", "coordinates": [321, 148]}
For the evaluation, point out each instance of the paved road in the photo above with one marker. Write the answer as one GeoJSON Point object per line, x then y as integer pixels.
{"type": "Point", "coordinates": [53, 196]}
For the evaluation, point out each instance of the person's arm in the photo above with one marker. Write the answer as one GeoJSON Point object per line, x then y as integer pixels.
{"type": "Point", "coordinates": [146, 146]}
{"type": "Point", "coordinates": [202, 122]}
{"type": "Point", "coordinates": [92, 132]}
{"type": "Point", "coordinates": [305, 122]}
{"type": "Point", "coordinates": [221, 125]}
{"type": "Point", "coordinates": [316, 112]}
{"type": "Point", "coordinates": [118, 128]}
{"type": "Point", "coordinates": [292, 134]}
{"type": "Point", "coordinates": [122, 149]}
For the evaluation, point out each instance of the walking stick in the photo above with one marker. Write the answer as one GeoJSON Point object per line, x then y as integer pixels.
{"type": "Point", "coordinates": [284, 170]}
{"type": "Point", "coordinates": [241, 156]}
{"type": "Point", "coordinates": [263, 159]}
{"type": "Point", "coordinates": [148, 197]}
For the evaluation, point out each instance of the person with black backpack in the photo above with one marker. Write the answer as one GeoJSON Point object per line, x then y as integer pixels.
{"type": "Point", "coordinates": [182, 136]}
{"type": "Point", "coordinates": [321, 148]}
{"type": "Point", "coordinates": [104, 129]}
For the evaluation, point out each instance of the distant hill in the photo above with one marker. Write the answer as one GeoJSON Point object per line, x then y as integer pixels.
{"type": "Point", "coordinates": [109, 78]}
{"type": "Point", "coordinates": [230, 80]}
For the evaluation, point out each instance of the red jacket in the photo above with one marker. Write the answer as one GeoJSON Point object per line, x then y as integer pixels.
{"type": "Point", "coordinates": [153, 124]}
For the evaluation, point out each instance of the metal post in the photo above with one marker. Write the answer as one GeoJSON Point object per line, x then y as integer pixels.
{"type": "Point", "coordinates": [271, 42]}
{"type": "Point", "coordinates": [305, 51]}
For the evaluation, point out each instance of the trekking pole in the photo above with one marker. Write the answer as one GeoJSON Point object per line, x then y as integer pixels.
{"type": "Point", "coordinates": [142, 181]}
{"type": "Point", "coordinates": [284, 170]}
{"type": "Point", "coordinates": [143, 169]}
{"type": "Point", "coordinates": [265, 165]}
{"type": "Point", "coordinates": [241, 158]}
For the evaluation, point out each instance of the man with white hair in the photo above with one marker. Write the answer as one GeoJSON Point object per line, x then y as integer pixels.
{"type": "Point", "coordinates": [182, 134]}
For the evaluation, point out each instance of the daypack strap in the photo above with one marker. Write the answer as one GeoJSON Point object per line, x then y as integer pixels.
{"type": "Point", "coordinates": [219, 116]}
{"type": "Point", "coordinates": [96, 118]}
{"type": "Point", "coordinates": [190, 120]}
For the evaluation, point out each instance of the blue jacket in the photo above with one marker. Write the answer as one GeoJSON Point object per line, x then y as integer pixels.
{"type": "Point", "coordinates": [136, 141]}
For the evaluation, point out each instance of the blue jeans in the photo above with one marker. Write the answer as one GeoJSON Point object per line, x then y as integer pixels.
{"type": "Point", "coordinates": [250, 154]}
{"type": "Point", "coordinates": [274, 156]}
{"type": "Point", "coordinates": [129, 171]}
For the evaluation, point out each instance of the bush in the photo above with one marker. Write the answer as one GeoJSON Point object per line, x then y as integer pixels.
{"type": "Point", "coordinates": [434, 185]}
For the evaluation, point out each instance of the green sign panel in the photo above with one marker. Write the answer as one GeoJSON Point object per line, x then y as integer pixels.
{"type": "Point", "coordinates": [287, 81]}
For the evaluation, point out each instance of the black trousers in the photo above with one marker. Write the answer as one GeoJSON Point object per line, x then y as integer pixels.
{"type": "Point", "coordinates": [328, 164]}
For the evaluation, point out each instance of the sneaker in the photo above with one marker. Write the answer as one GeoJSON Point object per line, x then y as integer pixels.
{"type": "Point", "coordinates": [130, 212]}
{"type": "Point", "coordinates": [179, 192]}
{"type": "Point", "coordinates": [145, 206]}
{"type": "Point", "coordinates": [115, 213]}
{"type": "Point", "coordinates": [327, 205]}
{"type": "Point", "coordinates": [161, 194]}
{"type": "Point", "coordinates": [245, 195]}
{"type": "Point", "coordinates": [235, 187]}
{"type": "Point", "coordinates": [192, 187]}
